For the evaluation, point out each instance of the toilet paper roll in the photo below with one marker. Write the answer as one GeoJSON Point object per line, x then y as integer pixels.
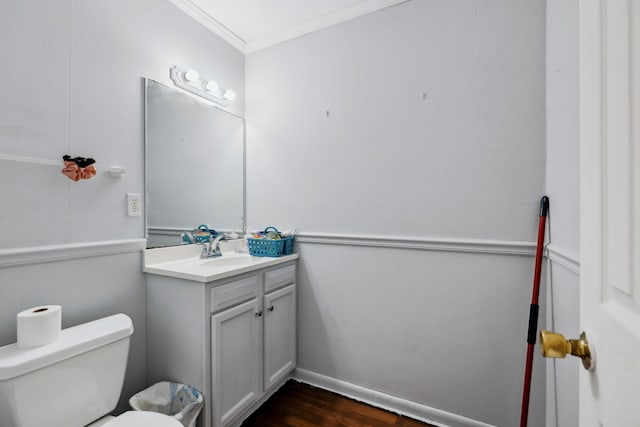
{"type": "Point", "coordinates": [39, 326]}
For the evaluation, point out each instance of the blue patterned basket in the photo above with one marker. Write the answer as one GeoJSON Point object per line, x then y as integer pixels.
{"type": "Point", "coordinates": [287, 249]}
{"type": "Point", "coordinates": [265, 247]}
{"type": "Point", "coordinates": [270, 247]}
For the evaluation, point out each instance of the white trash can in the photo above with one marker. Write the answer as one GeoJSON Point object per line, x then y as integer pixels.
{"type": "Point", "coordinates": [180, 401]}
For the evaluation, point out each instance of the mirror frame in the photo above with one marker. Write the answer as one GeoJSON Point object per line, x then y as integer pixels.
{"type": "Point", "coordinates": [204, 101]}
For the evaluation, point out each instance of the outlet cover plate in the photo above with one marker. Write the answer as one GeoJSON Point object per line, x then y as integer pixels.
{"type": "Point", "coordinates": [134, 204]}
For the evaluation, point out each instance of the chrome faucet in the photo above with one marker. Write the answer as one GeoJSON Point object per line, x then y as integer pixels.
{"type": "Point", "coordinates": [212, 248]}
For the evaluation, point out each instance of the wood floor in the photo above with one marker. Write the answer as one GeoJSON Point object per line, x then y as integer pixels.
{"type": "Point", "coordinates": [301, 405]}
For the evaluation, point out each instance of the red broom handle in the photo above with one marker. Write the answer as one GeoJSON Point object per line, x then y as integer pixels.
{"type": "Point", "coordinates": [533, 312]}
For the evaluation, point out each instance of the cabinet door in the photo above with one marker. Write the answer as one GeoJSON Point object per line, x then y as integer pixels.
{"type": "Point", "coordinates": [279, 334]}
{"type": "Point", "coordinates": [235, 360]}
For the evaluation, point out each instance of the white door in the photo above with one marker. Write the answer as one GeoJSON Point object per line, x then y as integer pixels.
{"type": "Point", "coordinates": [610, 210]}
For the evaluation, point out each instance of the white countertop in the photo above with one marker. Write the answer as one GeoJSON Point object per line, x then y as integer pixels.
{"type": "Point", "coordinates": [184, 262]}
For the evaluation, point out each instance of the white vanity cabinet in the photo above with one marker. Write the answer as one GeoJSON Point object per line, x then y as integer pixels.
{"type": "Point", "coordinates": [235, 361]}
{"type": "Point", "coordinates": [233, 339]}
{"type": "Point", "coordinates": [279, 324]}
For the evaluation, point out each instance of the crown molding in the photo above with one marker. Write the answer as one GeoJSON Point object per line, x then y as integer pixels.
{"type": "Point", "coordinates": [325, 21]}
{"type": "Point", "coordinates": [244, 46]}
{"type": "Point", "coordinates": [210, 23]}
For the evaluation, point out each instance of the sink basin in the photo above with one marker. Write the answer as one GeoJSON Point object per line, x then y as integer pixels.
{"type": "Point", "coordinates": [230, 261]}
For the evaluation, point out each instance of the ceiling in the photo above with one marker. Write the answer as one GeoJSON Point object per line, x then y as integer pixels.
{"type": "Point", "coordinates": [251, 25]}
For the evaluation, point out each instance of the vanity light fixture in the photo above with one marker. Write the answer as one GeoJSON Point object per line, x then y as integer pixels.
{"type": "Point", "coordinates": [190, 76]}
{"type": "Point", "coordinates": [229, 94]}
{"type": "Point", "coordinates": [211, 86]}
{"type": "Point", "coordinates": [190, 81]}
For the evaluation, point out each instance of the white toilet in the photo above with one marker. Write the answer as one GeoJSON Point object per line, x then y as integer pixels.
{"type": "Point", "coordinates": [72, 382]}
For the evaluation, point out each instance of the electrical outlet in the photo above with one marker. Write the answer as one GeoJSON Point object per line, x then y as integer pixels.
{"type": "Point", "coordinates": [134, 207]}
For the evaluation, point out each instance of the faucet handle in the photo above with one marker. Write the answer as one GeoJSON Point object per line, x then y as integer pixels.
{"type": "Point", "coordinates": [211, 248]}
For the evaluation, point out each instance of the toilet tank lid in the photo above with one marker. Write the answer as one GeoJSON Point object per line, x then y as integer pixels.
{"type": "Point", "coordinates": [15, 361]}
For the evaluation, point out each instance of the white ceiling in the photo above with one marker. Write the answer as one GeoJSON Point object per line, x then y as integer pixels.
{"type": "Point", "coordinates": [250, 25]}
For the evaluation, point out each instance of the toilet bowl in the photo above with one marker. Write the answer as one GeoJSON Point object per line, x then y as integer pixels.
{"type": "Point", "coordinates": [72, 382]}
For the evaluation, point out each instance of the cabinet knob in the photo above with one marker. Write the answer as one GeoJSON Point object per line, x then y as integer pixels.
{"type": "Point", "coordinates": [259, 313]}
{"type": "Point", "coordinates": [271, 308]}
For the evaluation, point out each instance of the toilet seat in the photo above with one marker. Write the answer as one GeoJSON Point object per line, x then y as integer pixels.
{"type": "Point", "coordinates": [143, 419]}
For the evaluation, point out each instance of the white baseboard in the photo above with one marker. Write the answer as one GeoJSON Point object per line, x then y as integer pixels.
{"type": "Point", "coordinates": [385, 401]}
{"type": "Point", "coordinates": [246, 414]}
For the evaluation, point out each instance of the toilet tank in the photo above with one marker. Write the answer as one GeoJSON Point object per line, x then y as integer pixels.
{"type": "Point", "coordinates": [69, 383]}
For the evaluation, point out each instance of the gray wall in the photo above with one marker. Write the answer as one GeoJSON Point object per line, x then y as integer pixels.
{"type": "Point", "coordinates": [562, 182]}
{"type": "Point", "coordinates": [424, 120]}
{"type": "Point", "coordinates": [72, 83]}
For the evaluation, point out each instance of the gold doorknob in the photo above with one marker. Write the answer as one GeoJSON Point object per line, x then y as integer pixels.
{"type": "Point", "coordinates": [555, 345]}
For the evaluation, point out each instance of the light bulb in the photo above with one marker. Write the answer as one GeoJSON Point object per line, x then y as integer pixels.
{"type": "Point", "coordinates": [229, 95]}
{"type": "Point", "coordinates": [191, 75]}
{"type": "Point", "coordinates": [211, 86]}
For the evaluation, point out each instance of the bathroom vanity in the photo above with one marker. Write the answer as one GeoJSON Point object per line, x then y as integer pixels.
{"type": "Point", "coordinates": [226, 326]}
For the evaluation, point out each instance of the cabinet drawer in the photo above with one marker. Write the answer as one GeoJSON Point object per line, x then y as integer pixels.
{"type": "Point", "coordinates": [233, 293]}
{"type": "Point", "coordinates": [279, 277]}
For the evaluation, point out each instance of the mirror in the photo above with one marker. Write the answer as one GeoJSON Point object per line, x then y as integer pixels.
{"type": "Point", "coordinates": [194, 165]}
